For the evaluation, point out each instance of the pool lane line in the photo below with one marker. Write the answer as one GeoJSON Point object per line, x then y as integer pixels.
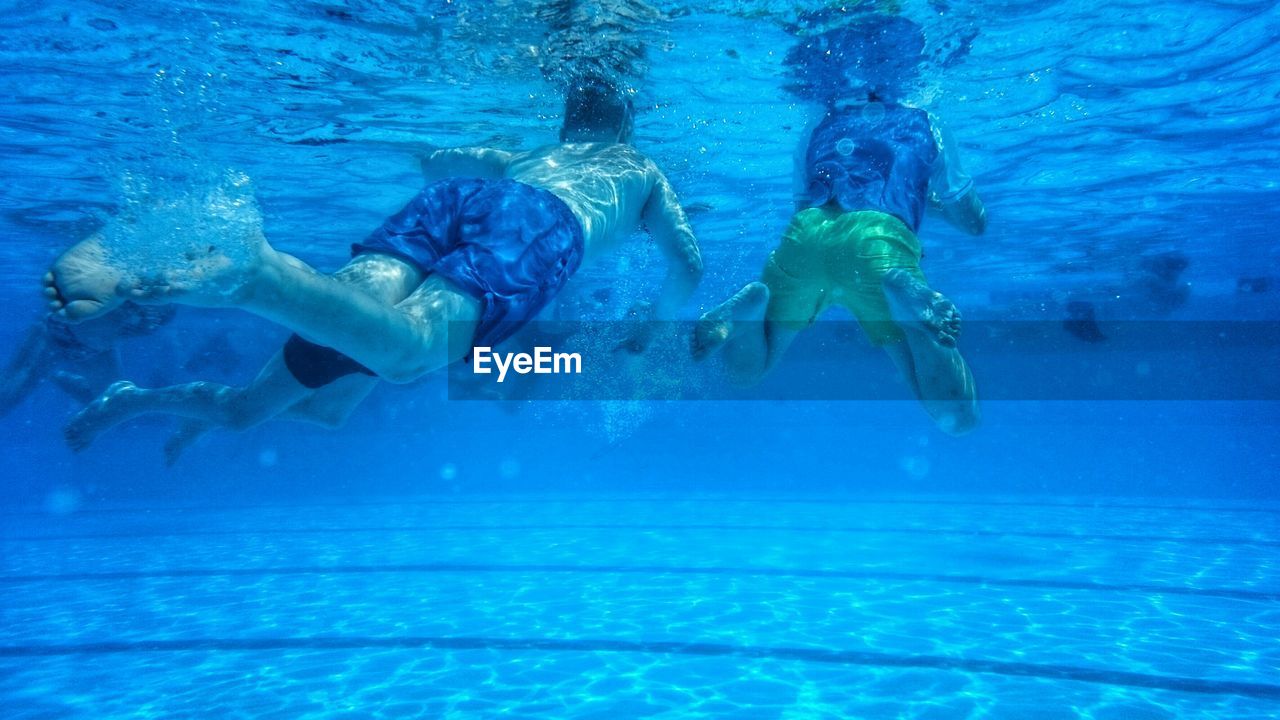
{"type": "Point", "coordinates": [786, 500]}
{"type": "Point", "coordinates": [644, 528]}
{"type": "Point", "coordinates": [417, 568]}
{"type": "Point", "coordinates": [1262, 691]}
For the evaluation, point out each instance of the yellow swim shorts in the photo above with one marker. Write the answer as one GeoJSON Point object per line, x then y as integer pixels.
{"type": "Point", "coordinates": [830, 257]}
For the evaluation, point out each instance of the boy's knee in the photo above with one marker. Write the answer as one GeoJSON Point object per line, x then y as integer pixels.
{"type": "Point", "coordinates": [404, 371]}
{"type": "Point", "coordinates": [240, 415]}
{"type": "Point", "coordinates": [429, 353]}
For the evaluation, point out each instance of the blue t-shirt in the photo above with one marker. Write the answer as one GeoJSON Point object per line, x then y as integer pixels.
{"type": "Point", "coordinates": [879, 156]}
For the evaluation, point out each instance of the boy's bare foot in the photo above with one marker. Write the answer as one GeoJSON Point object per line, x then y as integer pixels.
{"type": "Point", "coordinates": [917, 307]}
{"type": "Point", "coordinates": [114, 407]}
{"type": "Point", "coordinates": [82, 283]}
{"type": "Point", "coordinates": [716, 326]}
{"type": "Point", "coordinates": [204, 254]}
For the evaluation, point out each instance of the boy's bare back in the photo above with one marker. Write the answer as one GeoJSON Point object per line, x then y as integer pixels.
{"type": "Point", "coordinates": [606, 185]}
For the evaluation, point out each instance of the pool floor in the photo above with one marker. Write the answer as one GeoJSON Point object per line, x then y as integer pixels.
{"type": "Point", "coordinates": [678, 607]}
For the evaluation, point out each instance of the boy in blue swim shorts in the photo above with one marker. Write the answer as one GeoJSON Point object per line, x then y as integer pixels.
{"type": "Point", "coordinates": [509, 245]}
{"type": "Point", "coordinates": [481, 249]}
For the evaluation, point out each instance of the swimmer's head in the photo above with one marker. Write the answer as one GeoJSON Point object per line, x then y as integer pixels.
{"type": "Point", "coordinates": [876, 57]}
{"type": "Point", "coordinates": [596, 110]}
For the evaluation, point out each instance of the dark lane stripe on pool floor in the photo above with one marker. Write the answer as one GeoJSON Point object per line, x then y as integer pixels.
{"type": "Point", "coordinates": [957, 532]}
{"type": "Point", "coordinates": [833, 657]}
{"type": "Point", "coordinates": [356, 503]}
{"type": "Point", "coordinates": [1235, 594]}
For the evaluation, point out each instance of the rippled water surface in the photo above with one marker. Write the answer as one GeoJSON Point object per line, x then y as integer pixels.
{"type": "Point", "coordinates": [1098, 132]}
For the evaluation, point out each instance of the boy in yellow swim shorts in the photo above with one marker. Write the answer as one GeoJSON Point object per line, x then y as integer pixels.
{"type": "Point", "coordinates": [871, 166]}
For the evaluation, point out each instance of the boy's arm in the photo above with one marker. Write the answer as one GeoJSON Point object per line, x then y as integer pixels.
{"type": "Point", "coordinates": [669, 228]}
{"type": "Point", "coordinates": [951, 191]}
{"type": "Point", "coordinates": [478, 162]}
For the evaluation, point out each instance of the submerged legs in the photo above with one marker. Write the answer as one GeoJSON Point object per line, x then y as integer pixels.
{"type": "Point", "coordinates": [399, 344]}
{"type": "Point", "coordinates": [212, 404]}
{"type": "Point", "coordinates": [928, 358]}
{"type": "Point", "coordinates": [930, 361]}
{"type": "Point", "coordinates": [751, 343]}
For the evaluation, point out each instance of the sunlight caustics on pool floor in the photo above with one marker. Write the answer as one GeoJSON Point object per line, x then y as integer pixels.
{"type": "Point", "coordinates": [634, 607]}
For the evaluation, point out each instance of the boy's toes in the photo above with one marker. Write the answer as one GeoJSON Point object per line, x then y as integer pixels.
{"type": "Point", "coordinates": [50, 289]}
{"type": "Point", "coordinates": [82, 309]}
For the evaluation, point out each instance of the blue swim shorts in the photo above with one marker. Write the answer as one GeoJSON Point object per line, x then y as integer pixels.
{"type": "Point", "coordinates": [509, 245]}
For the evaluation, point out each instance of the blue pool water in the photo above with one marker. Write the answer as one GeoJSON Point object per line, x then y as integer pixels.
{"type": "Point", "coordinates": [1106, 545]}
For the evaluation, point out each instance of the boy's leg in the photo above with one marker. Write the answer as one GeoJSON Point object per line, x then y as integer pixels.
{"type": "Point", "coordinates": [25, 369]}
{"type": "Point", "coordinates": [752, 342]}
{"type": "Point", "coordinates": [188, 432]}
{"type": "Point", "coordinates": [329, 407]}
{"type": "Point", "coordinates": [380, 278]}
{"type": "Point", "coordinates": [274, 390]}
{"type": "Point", "coordinates": [759, 323]}
{"type": "Point", "coordinates": [93, 375]}
{"type": "Point", "coordinates": [397, 345]}
{"type": "Point", "coordinates": [446, 319]}
{"type": "Point", "coordinates": [928, 358]}
{"type": "Point", "coordinates": [878, 277]}
{"type": "Point", "coordinates": [731, 319]}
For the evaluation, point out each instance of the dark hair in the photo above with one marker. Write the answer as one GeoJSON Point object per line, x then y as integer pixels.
{"type": "Point", "coordinates": [595, 109]}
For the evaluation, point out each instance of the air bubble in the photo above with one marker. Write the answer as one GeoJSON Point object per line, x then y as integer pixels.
{"type": "Point", "coordinates": [268, 458]}
{"type": "Point", "coordinates": [62, 501]}
{"type": "Point", "coordinates": [915, 466]}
